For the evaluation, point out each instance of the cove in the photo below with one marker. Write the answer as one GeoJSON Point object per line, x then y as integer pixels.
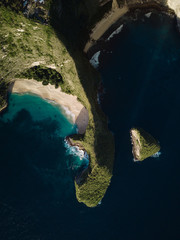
{"type": "Point", "coordinates": [37, 168]}
{"type": "Point", "coordinates": [140, 71]}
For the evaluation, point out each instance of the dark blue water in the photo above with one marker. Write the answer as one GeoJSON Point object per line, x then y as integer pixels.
{"type": "Point", "coordinates": [37, 196]}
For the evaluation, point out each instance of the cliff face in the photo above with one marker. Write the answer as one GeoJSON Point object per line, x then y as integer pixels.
{"type": "Point", "coordinates": [143, 144]}
{"type": "Point", "coordinates": [175, 5]}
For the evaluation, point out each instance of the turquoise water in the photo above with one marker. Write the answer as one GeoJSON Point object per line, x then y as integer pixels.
{"type": "Point", "coordinates": [33, 116]}
{"type": "Point", "coordinates": [140, 68]}
{"type": "Point", "coordinates": [36, 164]}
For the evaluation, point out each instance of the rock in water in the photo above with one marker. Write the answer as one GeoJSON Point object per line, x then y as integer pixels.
{"type": "Point", "coordinates": [143, 144]}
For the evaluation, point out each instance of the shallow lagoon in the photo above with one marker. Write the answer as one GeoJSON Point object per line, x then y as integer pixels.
{"type": "Point", "coordinates": [141, 71]}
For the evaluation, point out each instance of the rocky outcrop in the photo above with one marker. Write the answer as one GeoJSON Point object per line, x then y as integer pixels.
{"type": "Point", "coordinates": [175, 5]}
{"type": "Point", "coordinates": [143, 144]}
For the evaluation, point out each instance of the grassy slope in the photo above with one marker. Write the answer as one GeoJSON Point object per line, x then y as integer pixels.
{"type": "Point", "coordinates": [149, 145]}
{"type": "Point", "coordinates": [24, 42]}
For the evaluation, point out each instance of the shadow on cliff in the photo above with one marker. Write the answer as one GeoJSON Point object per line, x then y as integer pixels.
{"type": "Point", "coordinates": [82, 119]}
{"type": "Point", "coordinates": [71, 19]}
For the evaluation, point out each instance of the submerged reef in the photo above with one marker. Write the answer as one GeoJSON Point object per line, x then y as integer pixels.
{"type": "Point", "coordinates": [143, 144]}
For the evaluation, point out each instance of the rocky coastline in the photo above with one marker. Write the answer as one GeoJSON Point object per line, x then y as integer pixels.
{"type": "Point", "coordinates": [83, 191]}
{"type": "Point", "coordinates": [83, 80]}
{"type": "Point", "coordinates": [83, 174]}
{"type": "Point", "coordinates": [71, 143]}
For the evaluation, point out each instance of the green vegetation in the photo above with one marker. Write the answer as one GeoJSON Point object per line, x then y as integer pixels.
{"type": "Point", "coordinates": [42, 74]}
{"type": "Point", "coordinates": [25, 44]}
{"type": "Point", "coordinates": [3, 93]}
{"type": "Point", "coordinates": [98, 141]}
{"type": "Point", "coordinates": [16, 5]}
{"type": "Point", "coordinates": [143, 143]}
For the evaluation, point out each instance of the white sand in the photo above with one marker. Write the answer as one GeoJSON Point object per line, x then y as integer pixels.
{"type": "Point", "coordinates": [70, 104]}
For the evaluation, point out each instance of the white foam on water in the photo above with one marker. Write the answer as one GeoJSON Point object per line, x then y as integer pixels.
{"type": "Point", "coordinates": [156, 155]}
{"type": "Point", "coordinates": [51, 101]}
{"type": "Point", "coordinates": [135, 160]}
{"type": "Point", "coordinates": [148, 15]}
{"type": "Point", "coordinates": [67, 112]}
{"type": "Point", "coordinates": [95, 59]}
{"type": "Point", "coordinates": [117, 31]}
{"type": "Point", "coordinates": [75, 151]}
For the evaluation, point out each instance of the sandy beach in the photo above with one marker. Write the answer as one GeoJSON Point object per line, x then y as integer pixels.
{"type": "Point", "coordinates": [69, 104]}
{"type": "Point", "coordinates": [103, 25]}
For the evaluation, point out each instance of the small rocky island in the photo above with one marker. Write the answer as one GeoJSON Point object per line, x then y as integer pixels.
{"type": "Point", "coordinates": [143, 144]}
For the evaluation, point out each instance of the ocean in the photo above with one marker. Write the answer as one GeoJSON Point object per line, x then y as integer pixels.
{"type": "Point", "coordinates": [140, 68]}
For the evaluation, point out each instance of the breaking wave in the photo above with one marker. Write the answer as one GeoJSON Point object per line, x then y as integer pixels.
{"type": "Point", "coordinates": [75, 151]}
{"type": "Point", "coordinates": [95, 59]}
{"type": "Point", "coordinates": [156, 155]}
{"type": "Point", "coordinates": [117, 31]}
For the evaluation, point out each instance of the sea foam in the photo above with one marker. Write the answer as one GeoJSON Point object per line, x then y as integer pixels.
{"type": "Point", "coordinates": [76, 151]}
{"type": "Point", "coordinates": [68, 113]}
{"type": "Point", "coordinates": [117, 31]}
{"type": "Point", "coordinates": [95, 59]}
{"type": "Point", "coordinates": [148, 15]}
{"type": "Point", "coordinates": [156, 155]}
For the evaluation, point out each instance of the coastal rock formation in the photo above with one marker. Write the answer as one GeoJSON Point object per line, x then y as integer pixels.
{"type": "Point", "coordinates": [175, 5]}
{"type": "Point", "coordinates": [143, 144]}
